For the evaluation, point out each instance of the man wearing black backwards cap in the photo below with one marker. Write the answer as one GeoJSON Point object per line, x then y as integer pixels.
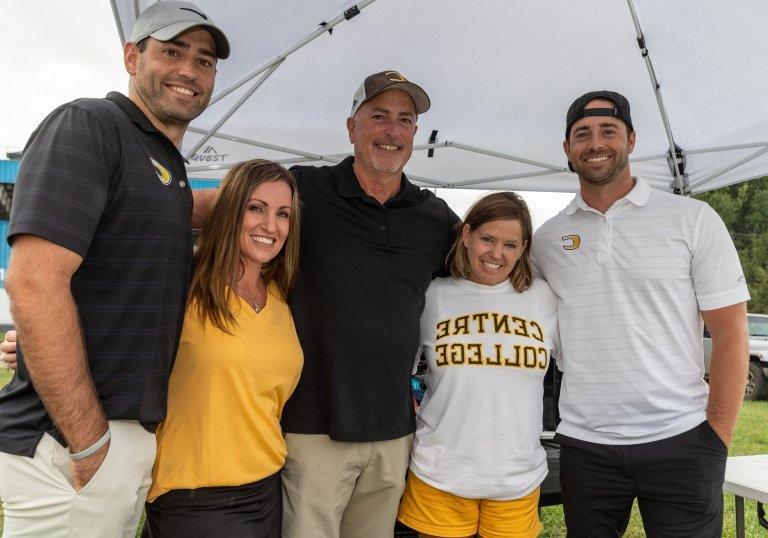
{"type": "Point", "coordinates": [101, 250]}
{"type": "Point", "coordinates": [636, 270]}
{"type": "Point", "coordinates": [370, 243]}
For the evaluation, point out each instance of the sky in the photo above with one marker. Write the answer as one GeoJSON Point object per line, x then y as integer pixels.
{"type": "Point", "coordinates": [54, 52]}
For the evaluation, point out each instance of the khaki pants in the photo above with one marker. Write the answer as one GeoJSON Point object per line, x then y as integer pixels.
{"type": "Point", "coordinates": [39, 500]}
{"type": "Point", "coordinates": [333, 489]}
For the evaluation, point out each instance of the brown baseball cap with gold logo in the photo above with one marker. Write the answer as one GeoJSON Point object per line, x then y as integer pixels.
{"type": "Point", "coordinates": [374, 84]}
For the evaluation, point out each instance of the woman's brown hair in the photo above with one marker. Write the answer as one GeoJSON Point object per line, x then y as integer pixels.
{"type": "Point", "coordinates": [495, 206]}
{"type": "Point", "coordinates": [216, 261]}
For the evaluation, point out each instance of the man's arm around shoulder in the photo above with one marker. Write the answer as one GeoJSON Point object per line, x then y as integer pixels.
{"type": "Point", "coordinates": [45, 314]}
{"type": "Point", "coordinates": [202, 203]}
{"type": "Point", "coordinates": [728, 366]}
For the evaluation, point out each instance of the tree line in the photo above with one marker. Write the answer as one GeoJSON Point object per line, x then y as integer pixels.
{"type": "Point", "coordinates": [744, 209]}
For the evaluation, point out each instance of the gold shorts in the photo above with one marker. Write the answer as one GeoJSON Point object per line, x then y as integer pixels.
{"type": "Point", "coordinates": [431, 511]}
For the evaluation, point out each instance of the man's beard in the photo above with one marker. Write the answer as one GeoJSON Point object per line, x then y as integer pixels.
{"type": "Point", "coordinates": [602, 177]}
{"type": "Point", "coordinates": [158, 100]}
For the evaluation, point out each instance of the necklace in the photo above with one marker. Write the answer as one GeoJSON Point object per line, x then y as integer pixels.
{"type": "Point", "coordinates": [253, 302]}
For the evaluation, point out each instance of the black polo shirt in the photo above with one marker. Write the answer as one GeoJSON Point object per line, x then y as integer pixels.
{"type": "Point", "coordinates": [364, 270]}
{"type": "Point", "coordinates": [99, 179]}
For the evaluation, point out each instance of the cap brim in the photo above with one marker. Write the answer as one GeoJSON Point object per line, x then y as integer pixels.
{"type": "Point", "coordinates": [172, 30]}
{"type": "Point", "coordinates": [419, 96]}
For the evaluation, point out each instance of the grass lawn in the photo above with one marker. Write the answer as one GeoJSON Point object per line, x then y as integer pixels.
{"type": "Point", "coordinates": [5, 376]}
{"type": "Point", "coordinates": [750, 438]}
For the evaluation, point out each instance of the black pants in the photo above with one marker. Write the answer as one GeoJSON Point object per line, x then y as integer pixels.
{"type": "Point", "coordinates": [677, 482]}
{"type": "Point", "coordinates": [247, 511]}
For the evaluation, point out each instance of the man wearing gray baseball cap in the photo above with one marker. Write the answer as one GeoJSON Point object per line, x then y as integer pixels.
{"type": "Point", "coordinates": [165, 20]}
{"type": "Point", "coordinates": [101, 251]}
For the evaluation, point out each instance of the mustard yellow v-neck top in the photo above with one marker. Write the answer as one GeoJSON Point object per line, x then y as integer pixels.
{"type": "Point", "coordinates": [225, 398]}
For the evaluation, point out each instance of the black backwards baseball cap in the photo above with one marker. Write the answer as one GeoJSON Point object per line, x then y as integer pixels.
{"type": "Point", "coordinates": [577, 111]}
{"type": "Point", "coordinates": [167, 19]}
{"type": "Point", "coordinates": [374, 84]}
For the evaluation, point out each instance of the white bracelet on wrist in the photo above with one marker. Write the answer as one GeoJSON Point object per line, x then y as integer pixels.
{"type": "Point", "coordinates": [93, 448]}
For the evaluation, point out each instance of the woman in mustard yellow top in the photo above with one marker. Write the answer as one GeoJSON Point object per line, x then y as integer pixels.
{"type": "Point", "coordinates": [220, 448]}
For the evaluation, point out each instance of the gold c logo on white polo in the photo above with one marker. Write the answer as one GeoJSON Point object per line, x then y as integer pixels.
{"type": "Point", "coordinates": [571, 242]}
{"type": "Point", "coordinates": [162, 172]}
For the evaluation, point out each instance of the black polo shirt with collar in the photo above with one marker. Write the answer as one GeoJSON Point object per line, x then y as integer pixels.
{"type": "Point", "coordinates": [97, 178]}
{"type": "Point", "coordinates": [365, 267]}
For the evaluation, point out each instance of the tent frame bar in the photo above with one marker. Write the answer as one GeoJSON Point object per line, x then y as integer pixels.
{"type": "Point", "coordinates": [727, 148]}
{"type": "Point", "coordinates": [506, 156]}
{"type": "Point", "coordinates": [306, 156]}
{"type": "Point", "coordinates": [116, 15]}
{"type": "Point", "coordinates": [240, 140]}
{"type": "Point", "coordinates": [233, 109]}
{"type": "Point", "coordinates": [702, 151]}
{"type": "Point", "coordinates": [419, 147]}
{"type": "Point", "coordinates": [728, 168]}
{"type": "Point", "coordinates": [679, 181]}
{"type": "Point", "coordinates": [279, 58]}
{"type": "Point", "coordinates": [494, 179]}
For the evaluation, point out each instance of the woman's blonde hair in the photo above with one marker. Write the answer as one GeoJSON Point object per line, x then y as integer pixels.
{"type": "Point", "coordinates": [216, 261]}
{"type": "Point", "coordinates": [495, 206]}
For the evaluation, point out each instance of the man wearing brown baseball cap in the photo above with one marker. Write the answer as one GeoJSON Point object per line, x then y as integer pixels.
{"type": "Point", "coordinates": [377, 83]}
{"type": "Point", "coordinates": [370, 243]}
{"type": "Point", "coordinates": [101, 254]}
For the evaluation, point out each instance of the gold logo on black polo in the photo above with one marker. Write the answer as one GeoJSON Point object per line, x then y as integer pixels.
{"type": "Point", "coordinates": [162, 172]}
{"type": "Point", "coordinates": [571, 242]}
{"type": "Point", "coordinates": [394, 76]}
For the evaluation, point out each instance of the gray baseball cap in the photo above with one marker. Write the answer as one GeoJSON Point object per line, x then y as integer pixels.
{"type": "Point", "coordinates": [167, 19]}
{"type": "Point", "coordinates": [374, 84]}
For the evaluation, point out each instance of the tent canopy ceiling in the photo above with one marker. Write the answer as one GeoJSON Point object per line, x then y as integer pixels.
{"type": "Point", "coordinates": [500, 75]}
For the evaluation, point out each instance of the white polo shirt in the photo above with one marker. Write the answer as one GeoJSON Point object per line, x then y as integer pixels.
{"type": "Point", "coordinates": [631, 283]}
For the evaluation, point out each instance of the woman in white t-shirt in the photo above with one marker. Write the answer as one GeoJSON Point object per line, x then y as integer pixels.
{"type": "Point", "coordinates": [487, 333]}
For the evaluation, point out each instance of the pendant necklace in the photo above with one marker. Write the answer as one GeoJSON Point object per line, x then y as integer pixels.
{"type": "Point", "coordinates": [253, 302]}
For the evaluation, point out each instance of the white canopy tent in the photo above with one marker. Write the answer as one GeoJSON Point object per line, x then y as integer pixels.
{"type": "Point", "coordinates": [501, 75]}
